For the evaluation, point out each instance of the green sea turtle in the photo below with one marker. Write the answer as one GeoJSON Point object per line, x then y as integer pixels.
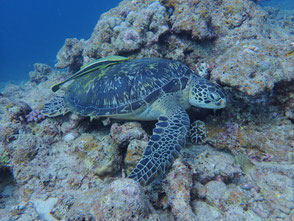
{"type": "Point", "coordinates": [143, 89]}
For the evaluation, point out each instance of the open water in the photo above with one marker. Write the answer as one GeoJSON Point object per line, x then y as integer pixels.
{"type": "Point", "coordinates": [33, 31]}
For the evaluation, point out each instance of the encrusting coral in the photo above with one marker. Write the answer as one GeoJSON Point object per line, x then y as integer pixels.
{"type": "Point", "coordinates": [41, 73]}
{"type": "Point", "coordinates": [72, 168]}
{"type": "Point", "coordinates": [166, 24]}
{"type": "Point", "coordinates": [35, 115]}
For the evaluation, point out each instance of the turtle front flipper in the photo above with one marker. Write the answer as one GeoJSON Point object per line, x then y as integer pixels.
{"type": "Point", "coordinates": [168, 138]}
{"type": "Point", "coordinates": [55, 107]}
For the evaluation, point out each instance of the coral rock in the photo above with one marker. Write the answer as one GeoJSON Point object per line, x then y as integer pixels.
{"type": "Point", "coordinates": [210, 164]}
{"type": "Point", "coordinates": [40, 73]}
{"type": "Point", "coordinates": [127, 132]}
{"type": "Point", "coordinates": [205, 212]}
{"type": "Point", "coordinates": [70, 55]}
{"type": "Point", "coordinates": [178, 187]}
{"type": "Point", "coordinates": [17, 110]}
{"type": "Point", "coordinates": [134, 154]}
{"type": "Point", "coordinates": [123, 199]}
{"type": "Point", "coordinates": [35, 116]}
{"type": "Point", "coordinates": [100, 157]}
{"type": "Point", "coordinates": [128, 32]}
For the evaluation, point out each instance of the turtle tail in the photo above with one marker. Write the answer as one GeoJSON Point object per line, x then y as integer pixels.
{"type": "Point", "coordinates": [55, 107]}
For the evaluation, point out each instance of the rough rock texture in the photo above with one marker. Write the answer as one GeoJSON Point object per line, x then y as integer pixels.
{"type": "Point", "coordinates": [238, 38]}
{"type": "Point", "coordinates": [208, 164]}
{"type": "Point", "coordinates": [121, 199]}
{"type": "Point", "coordinates": [70, 55]}
{"type": "Point", "coordinates": [40, 73]}
{"type": "Point", "coordinates": [134, 26]}
{"type": "Point", "coordinates": [69, 167]}
{"type": "Point", "coordinates": [132, 140]}
{"type": "Point", "coordinates": [178, 187]}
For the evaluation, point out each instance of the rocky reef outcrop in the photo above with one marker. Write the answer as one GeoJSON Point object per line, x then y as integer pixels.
{"type": "Point", "coordinates": [74, 168]}
{"type": "Point", "coordinates": [238, 39]}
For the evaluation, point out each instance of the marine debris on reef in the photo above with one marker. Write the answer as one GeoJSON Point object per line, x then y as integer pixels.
{"type": "Point", "coordinates": [70, 168]}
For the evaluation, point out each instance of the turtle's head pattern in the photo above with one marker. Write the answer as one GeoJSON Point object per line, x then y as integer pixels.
{"type": "Point", "coordinates": [205, 94]}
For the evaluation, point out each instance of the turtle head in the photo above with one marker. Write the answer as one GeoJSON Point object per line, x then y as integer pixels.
{"type": "Point", "coordinates": [205, 94]}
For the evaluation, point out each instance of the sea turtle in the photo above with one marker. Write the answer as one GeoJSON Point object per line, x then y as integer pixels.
{"type": "Point", "coordinates": [143, 89]}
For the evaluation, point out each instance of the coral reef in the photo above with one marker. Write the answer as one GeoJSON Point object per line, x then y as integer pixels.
{"type": "Point", "coordinates": [236, 35]}
{"type": "Point", "coordinates": [70, 55]}
{"type": "Point", "coordinates": [120, 199]}
{"type": "Point", "coordinates": [128, 131]}
{"type": "Point", "coordinates": [8, 194]}
{"type": "Point", "coordinates": [134, 154]}
{"type": "Point", "coordinates": [40, 73]}
{"type": "Point", "coordinates": [208, 164]}
{"type": "Point", "coordinates": [72, 168]}
{"type": "Point", "coordinates": [132, 27]}
{"type": "Point", "coordinates": [123, 199]}
{"type": "Point", "coordinates": [250, 68]}
{"type": "Point", "coordinates": [8, 132]}
{"type": "Point", "coordinates": [100, 157]}
{"type": "Point", "coordinates": [35, 115]}
{"type": "Point", "coordinates": [178, 187]}
{"type": "Point", "coordinates": [272, 137]}
{"type": "Point", "coordinates": [17, 111]}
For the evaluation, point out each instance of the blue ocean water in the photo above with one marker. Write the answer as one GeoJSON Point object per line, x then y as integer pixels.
{"type": "Point", "coordinates": [283, 4]}
{"type": "Point", "coordinates": [33, 31]}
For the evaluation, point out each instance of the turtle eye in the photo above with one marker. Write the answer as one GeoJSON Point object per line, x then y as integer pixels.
{"type": "Point", "coordinates": [214, 96]}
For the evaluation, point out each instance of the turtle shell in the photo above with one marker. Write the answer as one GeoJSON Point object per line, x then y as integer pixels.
{"type": "Point", "coordinates": [125, 87]}
{"type": "Point", "coordinates": [88, 68]}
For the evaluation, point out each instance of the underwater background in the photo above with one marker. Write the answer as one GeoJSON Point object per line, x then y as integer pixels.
{"type": "Point", "coordinates": [33, 31]}
{"type": "Point", "coordinates": [237, 163]}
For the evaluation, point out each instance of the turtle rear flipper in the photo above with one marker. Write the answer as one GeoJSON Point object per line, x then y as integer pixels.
{"type": "Point", "coordinates": [168, 138]}
{"type": "Point", "coordinates": [55, 107]}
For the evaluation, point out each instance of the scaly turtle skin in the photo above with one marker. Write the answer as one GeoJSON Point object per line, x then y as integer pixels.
{"type": "Point", "coordinates": [143, 89]}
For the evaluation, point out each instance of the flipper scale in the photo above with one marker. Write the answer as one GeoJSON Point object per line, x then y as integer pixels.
{"type": "Point", "coordinates": [162, 149]}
